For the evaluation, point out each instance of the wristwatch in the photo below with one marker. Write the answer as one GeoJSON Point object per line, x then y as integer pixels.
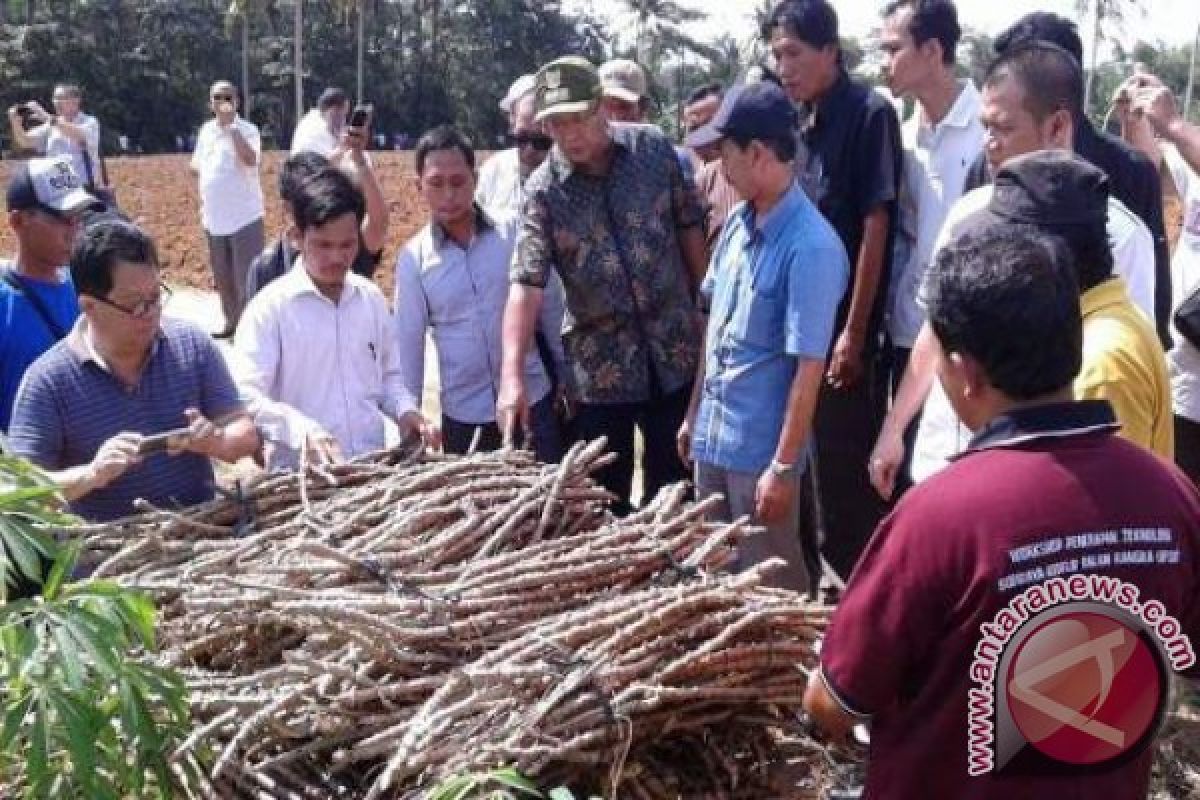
{"type": "Point", "coordinates": [781, 469]}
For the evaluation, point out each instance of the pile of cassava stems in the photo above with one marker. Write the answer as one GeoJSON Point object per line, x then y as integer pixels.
{"type": "Point", "coordinates": [370, 629]}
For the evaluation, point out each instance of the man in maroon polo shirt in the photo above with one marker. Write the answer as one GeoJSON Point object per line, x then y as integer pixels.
{"type": "Point", "coordinates": [1011, 628]}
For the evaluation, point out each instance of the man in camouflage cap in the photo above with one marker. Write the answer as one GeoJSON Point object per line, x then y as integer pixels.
{"type": "Point", "coordinates": [612, 213]}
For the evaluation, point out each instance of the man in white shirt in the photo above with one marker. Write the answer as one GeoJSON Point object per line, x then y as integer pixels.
{"type": "Point", "coordinates": [66, 132]}
{"type": "Point", "coordinates": [452, 279]}
{"type": "Point", "coordinates": [500, 189]}
{"type": "Point", "coordinates": [942, 137]}
{"type": "Point", "coordinates": [226, 161]}
{"type": "Point", "coordinates": [320, 369]}
{"type": "Point", "coordinates": [1021, 115]}
{"type": "Point", "coordinates": [1148, 108]}
{"type": "Point", "coordinates": [319, 130]}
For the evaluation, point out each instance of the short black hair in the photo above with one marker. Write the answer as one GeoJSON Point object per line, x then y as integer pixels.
{"type": "Point", "coordinates": [1041, 26]}
{"type": "Point", "coordinates": [298, 168]}
{"type": "Point", "coordinates": [811, 21]}
{"type": "Point", "coordinates": [1007, 297]}
{"type": "Point", "coordinates": [1087, 247]}
{"type": "Point", "coordinates": [784, 147]}
{"type": "Point", "coordinates": [332, 98]}
{"type": "Point", "coordinates": [444, 137]}
{"type": "Point", "coordinates": [703, 92]}
{"type": "Point", "coordinates": [931, 19]}
{"type": "Point", "coordinates": [1049, 76]}
{"type": "Point", "coordinates": [326, 196]}
{"type": "Point", "coordinates": [99, 248]}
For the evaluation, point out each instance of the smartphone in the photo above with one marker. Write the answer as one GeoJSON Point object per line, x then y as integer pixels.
{"type": "Point", "coordinates": [161, 442]}
{"type": "Point", "coordinates": [360, 115]}
{"type": "Point", "coordinates": [25, 113]}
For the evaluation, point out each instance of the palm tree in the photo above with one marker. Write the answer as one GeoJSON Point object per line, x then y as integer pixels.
{"type": "Point", "coordinates": [1104, 12]}
{"type": "Point", "coordinates": [655, 22]}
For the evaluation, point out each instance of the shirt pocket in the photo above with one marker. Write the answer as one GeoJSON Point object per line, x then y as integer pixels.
{"type": "Point", "coordinates": [758, 316]}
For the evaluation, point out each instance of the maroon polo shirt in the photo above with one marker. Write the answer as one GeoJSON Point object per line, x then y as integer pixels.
{"type": "Point", "coordinates": [958, 548]}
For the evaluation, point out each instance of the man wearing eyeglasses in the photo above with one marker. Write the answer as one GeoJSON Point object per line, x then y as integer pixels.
{"type": "Point", "coordinates": [37, 300]}
{"type": "Point", "coordinates": [128, 405]}
{"type": "Point", "coordinates": [501, 185]}
{"type": "Point", "coordinates": [226, 162]}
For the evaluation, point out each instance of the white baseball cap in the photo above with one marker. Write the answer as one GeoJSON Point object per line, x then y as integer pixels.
{"type": "Point", "coordinates": [51, 185]}
{"type": "Point", "coordinates": [520, 87]}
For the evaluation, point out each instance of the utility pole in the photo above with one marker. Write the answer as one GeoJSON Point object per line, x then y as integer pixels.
{"type": "Point", "coordinates": [298, 32]}
{"type": "Point", "coordinates": [362, 10]}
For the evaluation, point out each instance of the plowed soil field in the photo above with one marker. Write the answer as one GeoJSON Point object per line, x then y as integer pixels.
{"type": "Point", "coordinates": [159, 192]}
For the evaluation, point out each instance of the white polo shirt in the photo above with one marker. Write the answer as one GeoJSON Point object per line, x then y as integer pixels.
{"type": "Point", "coordinates": [940, 435]}
{"type": "Point", "coordinates": [936, 162]}
{"type": "Point", "coordinates": [309, 364]}
{"type": "Point", "coordinates": [1184, 358]}
{"type": "Point", "coordinates": [230, 194]}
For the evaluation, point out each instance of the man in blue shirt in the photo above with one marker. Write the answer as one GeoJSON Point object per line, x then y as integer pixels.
{"type": "Point", "coordinates": [92, 409]}
{"type": "Point", "coordinates": [37, 301]}
{"type": "Point", "coordinates": [777, 276]}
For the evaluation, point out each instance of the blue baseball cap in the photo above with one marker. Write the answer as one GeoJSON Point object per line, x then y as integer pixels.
{"type": "Point", "coordinates": [759, 110]}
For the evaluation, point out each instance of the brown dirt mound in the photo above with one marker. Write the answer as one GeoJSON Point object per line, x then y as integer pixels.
{"type": "Point", "coordinates": [159, 193]}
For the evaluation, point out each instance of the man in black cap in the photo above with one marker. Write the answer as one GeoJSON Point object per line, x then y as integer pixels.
{"type": "Point", "coordinates": [612, 213]}
{"type": "Point", "coordinates": [1134, 179]}
{"type": "Point", "coordinates": [777, 276]}
{"type": "Point", "coordinates": [46, 202]}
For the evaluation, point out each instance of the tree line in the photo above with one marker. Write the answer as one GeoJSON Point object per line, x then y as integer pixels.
{"type": "Point", "coordinates": [145, 65]}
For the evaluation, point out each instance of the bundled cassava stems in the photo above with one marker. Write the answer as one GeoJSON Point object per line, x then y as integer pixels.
{"type": "Point", "coordinates": [368, 630]}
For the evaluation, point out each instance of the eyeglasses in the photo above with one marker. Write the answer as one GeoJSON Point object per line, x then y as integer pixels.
{"type": "Point", "coordinates": [144, 307]}
{"type": "Point", "coordinates": [220, 97]}
{"type": "Point", "coordinates": [538, 141]}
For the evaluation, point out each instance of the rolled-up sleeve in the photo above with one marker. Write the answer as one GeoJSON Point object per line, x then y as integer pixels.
{"type": "Point", "coordinates": [410, 322]}
{"type": "Point", "coordinates": [220, 396]}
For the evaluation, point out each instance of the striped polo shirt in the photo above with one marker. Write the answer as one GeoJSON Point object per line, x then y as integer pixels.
{"type": "Point", "coordinates": [69, 405]}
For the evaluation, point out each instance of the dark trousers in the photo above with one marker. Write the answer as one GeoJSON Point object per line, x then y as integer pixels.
{"type": "Point", "coordinates": [658, 420]}
{"type": "Point", "coordinates": [230, 257]}
{"type": "Point", "coordinates": [899, 358]}
{"type": "Point", "coordinates": [1187, 447]}
{"type": "Point", "coordinates": [839, 508]}
{"type": "Point", "coordinates": [547, 439]}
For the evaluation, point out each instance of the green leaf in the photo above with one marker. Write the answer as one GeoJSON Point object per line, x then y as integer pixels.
{"type": "Point", "coordinates": [64, 563]}
{"type": "Point", "coordinates": [68, 656]}
{"type": "Point", "coordinates": [455, 788]}
{"type": "Point", "coordinates": [36, 774]}
{"type": "Point", "coordinates": [513, 779]}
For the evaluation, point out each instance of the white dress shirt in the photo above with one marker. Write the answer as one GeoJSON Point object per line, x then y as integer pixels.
{"type": "Point", "coordinates": [310, 364]}
{"type": "Point", "coordinates": [500, 189]}
{"type": "Point", "coordinates": [460, 294]}
{"type": "Point", "coordinates": [940, 434]}
{"type": "Point", "coordinates": [230, 194]}
{"type": "Point", "coordinates": [936, 162]}
{"type": "Point", "coordinates": [1184, 358]}
{"type": "Point", "coordinates": [312, 135]}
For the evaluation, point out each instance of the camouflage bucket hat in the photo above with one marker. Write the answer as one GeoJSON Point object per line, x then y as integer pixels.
{"type": "Point", "coordinates": [565, 86]}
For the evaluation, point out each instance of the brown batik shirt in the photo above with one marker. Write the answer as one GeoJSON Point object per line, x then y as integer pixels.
{"type": "Point", "coordinates": [630, 330]}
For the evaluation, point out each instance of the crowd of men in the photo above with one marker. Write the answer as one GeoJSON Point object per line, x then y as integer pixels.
{"type": "Point", "coordinates": [901, 349]}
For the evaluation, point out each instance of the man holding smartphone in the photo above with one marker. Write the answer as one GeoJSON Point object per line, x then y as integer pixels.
{"type": "Point", "coordinates": [226, 161]}
{"type": "Point", "coordinates": [67, 132]}
{"type": "Point", "coordinates": [93, 409]}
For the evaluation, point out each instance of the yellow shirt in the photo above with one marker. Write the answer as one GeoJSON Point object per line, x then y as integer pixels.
{"type": "Point", "coordinates": [1124, 364]}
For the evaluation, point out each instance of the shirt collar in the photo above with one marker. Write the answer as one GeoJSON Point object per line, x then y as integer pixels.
{"type": "Point", "coordinates": [299, 282]}
{"type": "Point", "coordinates": [1109, 294]}
{"type": "Point", "coordinates": [1050, 421]}
{"type": "Point", "coordinates": [826, 105]}
{"type": "Point", "coordinates": [965, 110]}
{"type": "Point", "coordinates": [772, 224]}
{"type": "Point", "coordinates": [483, 223]}
{"type": "Point", "coordinates": [562, 166]}
{"type": "Point", "coordinates": [79, 344]}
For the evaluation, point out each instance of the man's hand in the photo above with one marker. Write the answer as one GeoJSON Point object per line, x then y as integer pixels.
{"type": "Point", "coordinates": [416, 422]}
{"type": "Point", "coordinates": [845, 365]}
{"type": "Point", "coordinates": [683, 440]}
{"type": "Point", "coordinates": [885, 461]}
{"type": "Point", "coordinates": [322, 448]}
{"type": "Point", "coordinates": [773, 497]}
{"type": "Point", "coordinates": [1151, 99]}
{"type": "Point", "coordinates": [512, 409]}
{"type": "Point", "coordinates": [113, 458]}
{"type": "Point", "coordinates": [203, 436]}
{"type": "Point", "coordinates": [39, 113]}
{"type": "Point", "coordinates": [226, 114]}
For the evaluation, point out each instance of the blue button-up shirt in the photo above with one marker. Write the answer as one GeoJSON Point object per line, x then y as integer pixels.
{"type": "Point", "coordinates": [775, 284]}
